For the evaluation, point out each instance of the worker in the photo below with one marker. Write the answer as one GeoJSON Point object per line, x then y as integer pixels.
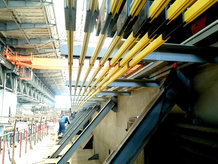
{"type": "Point", "coordinates": [62, 122]}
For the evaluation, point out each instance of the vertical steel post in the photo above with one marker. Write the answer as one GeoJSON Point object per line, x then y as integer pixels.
{"type": "Point", "coordinates": [13, 161]}
{"type": "Point", "coordinates": [35, 135]}
{"type": "Point", "coordinates": [31, 141]}
{"type": "Point", "coordinates": [21, 139]}
{"type": "Point", "coordinates": [25, 134]}
{"type": "Point", "coordinates": [46, 128]}
{"type": "Point", "coordinates": [3, 152]}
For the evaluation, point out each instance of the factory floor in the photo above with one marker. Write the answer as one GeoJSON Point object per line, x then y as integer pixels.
{"type": "Point", "coordinates": [38, 153]}
{"type": "Point", "coordinates": [44, 148]}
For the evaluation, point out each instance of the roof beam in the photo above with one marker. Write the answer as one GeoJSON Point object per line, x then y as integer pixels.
{"type": "Point", "coordinates": [167, 52]}
{"type": "Point", "coordinates": [13, 26]}
{"type": "Point", "coordinates": [32, 41]}
{"type": "Point", "coordinates": [22, 3]}
{"type": "Point", "coordinates": [124, 83]}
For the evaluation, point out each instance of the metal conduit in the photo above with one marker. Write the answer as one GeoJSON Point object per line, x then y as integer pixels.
{"type": "Point", "coordinates": [92, 7]}
{"type": "Point", "coordinates": [116, 40]}
{"type": "Point", "coordinates": [191, 13]}
{"type": "Point", "coordinates": [126, 45]}
{"type": "Point", "coordinates": [70, 4]}
{"type": "Point", "coordinates": [144, 41]}
{"type": "Point", "coordinates": [115, 6]}
{"type": "Point", "coordinates": [113, 45]}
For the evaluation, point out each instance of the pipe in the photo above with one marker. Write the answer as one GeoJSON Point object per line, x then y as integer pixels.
{"type": "Point", "coordinates": [125, 46]}
{"type": "Point", "coordinates": [137, 48]}
{"type": "Point", "coordinates": [100, 43]}
{"type": "Point", "coordinates": [150, 48]}
{"type": "Point", "coordinates": [111, 48]}
{"type": "Point", "coordinates": [92, 7]}
{"type": "Point", "coordinates": [156, 8]}
{"type": "Point", "coordinates": [140, 45]}
{"type": "Point", "coordinates": [136, 7]}
{"type": "Point", "coordinates": [176, 9]}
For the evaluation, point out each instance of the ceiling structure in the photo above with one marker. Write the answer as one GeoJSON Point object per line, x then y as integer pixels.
{"type": "Point", "coordinates": [29, 28]}
{"type": "Point", "coordinates": [104, 39]}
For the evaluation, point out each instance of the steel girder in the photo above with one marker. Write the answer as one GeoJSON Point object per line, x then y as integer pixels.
{"type": "Point", "coordinates": [32, 91]}
{"type": "Point", "coordinates": [13, 26]}
{"type": "Point", "coordinates": [167, 52]}
{"type": "Point", "coordinates": [125, 83]}
{"type": "Point", "coordinates": [110, 104]}
{"type": "Point", "coordinates": [23, 3]}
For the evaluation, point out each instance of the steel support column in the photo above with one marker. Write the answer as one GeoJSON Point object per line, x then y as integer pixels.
{"type": "Point", "coordinates": [176, 90]}
{"type": "Point", "coordinates": [87, 131]}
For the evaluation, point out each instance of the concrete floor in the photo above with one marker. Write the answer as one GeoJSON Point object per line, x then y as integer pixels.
{"type": "Point", "coordinates": [44, 148]}
{"type": "Point", "coordinates": [39, 152]}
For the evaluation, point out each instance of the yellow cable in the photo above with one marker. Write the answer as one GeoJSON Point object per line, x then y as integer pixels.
{"type": "Point", "coordinates": [139, 8]}
{"type": "Point", "coordinates": [156, 8]}
{"type": "Point", "coordinates": [97, 48]}
{"type": "Point", "coordinates": [150, 48]}
{"type": "Point", "coordinates": [134, 7]}
{"type": "Point", "coordinates": [72, 4]}
{"type": "Point", "coordinates": [67, 3]}
{"type": "Point", "coordinates": [90, 4]}
{"type": "Point", "coordinates": [118, 6]}
{"type": "Point", "coordinates": [125, 46]}
{"type": "Point", "coordinates": [144, 41]}
{"type": "Point", "coordinates": [197, 9]}
{"type": "Point", "coordinates": [112, 6]}
{"type": "Point", "coordinates": [111, 48]}
{"type": "Point", "coordinates": [146, 51]}
{"type": "Point", "coordinates": [177, 8]}
{"type": "Point", "coordinates": [138, 47]}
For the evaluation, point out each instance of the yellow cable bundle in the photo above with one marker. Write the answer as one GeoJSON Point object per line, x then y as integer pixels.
{"type": "Point", "coordinates": [90, 4]}
{"type": "Point", "coordinates": [111, 48]}
{"type": "Point", "coordinates": [125, 46]}
{"type": "Point", "coordinates": [139, 8]}
{"type": "Point", "coordinates": [134, 6]}
{"type": "Point", "coordinates": [177, 8]}
{"type": "Point", "coordinates": [156, 8]}
{"type": "Point", "coordinates": [197, 9]}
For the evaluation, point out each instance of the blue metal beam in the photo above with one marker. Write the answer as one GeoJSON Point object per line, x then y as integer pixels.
{"type": "Point", "coordinates": [167, 52]}
{"type": "Point", "coordinates": [87, 131]}
{"type": "Point", "coordinates": [32, 41]}
{"type": "Point", "coordinates": [175, 90]}
{"type": "Point", "coordinates": [13, 26]}
{"type": "Point", "coordinates": [124, 83]}
{"type": "Point", "coordinates": [73, 132]}
{"type": "Point", "coordinates": [23, 4]}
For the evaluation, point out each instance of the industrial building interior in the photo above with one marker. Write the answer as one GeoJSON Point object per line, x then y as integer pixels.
{"type": "Point", "coordinates": [138, 80]}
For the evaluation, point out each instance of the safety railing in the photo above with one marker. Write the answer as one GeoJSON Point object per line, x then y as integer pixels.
{"type": "Point", "coordinates": [27, 138]}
